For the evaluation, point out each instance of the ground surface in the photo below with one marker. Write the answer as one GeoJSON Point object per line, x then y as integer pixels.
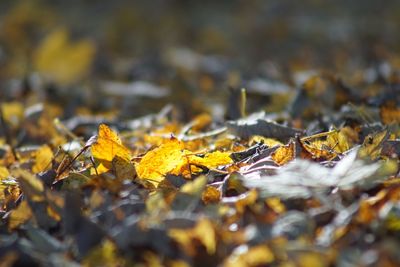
{"type": "Point", "coordinates": [185, 134]}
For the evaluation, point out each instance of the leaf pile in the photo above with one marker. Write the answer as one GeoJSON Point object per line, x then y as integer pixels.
{"type": "Point", "coordinates": [253, 133]}
{"type": "Point", "coordinates": [244, 192]}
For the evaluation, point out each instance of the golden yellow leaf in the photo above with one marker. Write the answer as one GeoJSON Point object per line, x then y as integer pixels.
{"type": "Point", "coordinates": [276, 204]}
{"type": "Point", "coordinates": [13, 112]}
{"type": "Point", "coordinates": [43, 157]}
{"type": "Point", "coordinates": [205, 232]}
{"type": "Point", "coordinates": [212, 160]}
{"type": "Point", "coordinates": [338, 141]}
{"type": "Point", "coordinates": [171, 157]}
{"type": "Point", "coordinates": [19, 215]}
{"type": "Point", "coordinates": [318, 149]}
{"type": "Point", "coordinates": [283, 154]}
{"type": "Point", "coordinates": [270, 142]}
{"type": "Point", "coordinates": [161, 160]}
{"type": "Point", "coordinates": [62, 60]}
{"type": "Point", "coordinates": [111, 153]}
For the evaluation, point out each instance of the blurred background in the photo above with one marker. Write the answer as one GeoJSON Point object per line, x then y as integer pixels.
{"type": "Point", "coordinates": [133, 57]}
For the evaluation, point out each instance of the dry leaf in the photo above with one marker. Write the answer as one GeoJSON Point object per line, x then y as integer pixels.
{"type": "Point", "coordinates": [43, 157]}
{"type": "Point", "coordinates": [61, 60]}
{"type": "Point", "coordinates": [284, 154]}
{"type": "Point", "coordinates": [111, 153]}
{"type": "Point", "coordinates": [20, 215]}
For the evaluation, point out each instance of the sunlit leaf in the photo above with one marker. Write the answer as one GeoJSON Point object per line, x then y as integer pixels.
{"type": "Point", "coordinates": [111, 153]}
{"type": "Point", "coordinates": [284, 154]}
{"type": "Point", "coordinates": [161, 160]}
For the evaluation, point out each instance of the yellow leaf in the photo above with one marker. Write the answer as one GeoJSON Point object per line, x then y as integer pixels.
{"type": "Point", "coordinates": [283, 154]}
{"type": "Point", "coordinates": [13, 112]}
{"type": "Point", "coordinates": [319, 149]}
{"type": "Point", "coordinates": [195, 187]}
{"type": "Point", "coordinates": [171, 157]}
{"type": "Point", "coordinates": [43, 157]}
{"type": "Point", "coordinates": [62, 60]}
{"type": "Point", "coordinates": [338, 141]}
{"type": "Point", "coordinates": [19, 215]}
{"type": "Point", "coordinates": [372, 145]}
{"type": "Point", "coordinates": [111, 153]}
{"type": "Point", "coordinates": [3, 173]}
{"type": "Point", "coordinates": [205, 232]}
{"type": "Point", "coordinates": [161, 160]}
{"type": "Point", "coordinates": [270, 142]}
{"type": "Point", "coordinates": [31, 185]}
{"type": "Point", "coordinates": [212, 160]}
{"type": "Point", "coordinates": [104, 254]}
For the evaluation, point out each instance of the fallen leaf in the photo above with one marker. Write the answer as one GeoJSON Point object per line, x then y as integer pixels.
{"type": "Point", "coordinates": [111, 153]}
{"type": "Point", "coordinates": [283, 154]}
{"type": "Point", "coordinates": [62, 60]}
{"type": "Point", "coordinates": [161, 160]}
{"type": "Point", "coordinates": [43, 157]}
{"type": "Point", "coordinates": [20, 215]}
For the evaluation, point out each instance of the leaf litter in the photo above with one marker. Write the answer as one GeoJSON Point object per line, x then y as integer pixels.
{"type": "Point", "coordinates": [159, 168]}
